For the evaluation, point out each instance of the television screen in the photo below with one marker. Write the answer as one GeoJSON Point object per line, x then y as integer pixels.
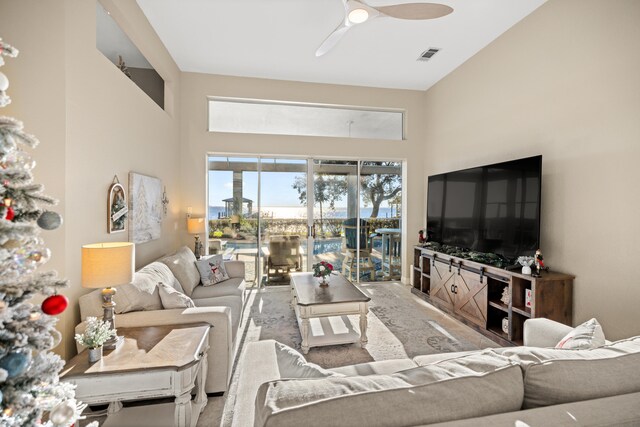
{"type": "Point", "coordinates": [493, 209]}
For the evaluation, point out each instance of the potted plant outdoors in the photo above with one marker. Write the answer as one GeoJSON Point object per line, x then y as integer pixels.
{"type": "Point", "coordinates": [96, 334]}
{"type": "Point", "coordinates": [322, 270]}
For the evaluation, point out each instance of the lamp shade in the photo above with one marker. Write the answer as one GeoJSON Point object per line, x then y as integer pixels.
{"type": "Point", "coordinates": [195, 225]}
{"type": "Point", "coordinates": [107, 264]}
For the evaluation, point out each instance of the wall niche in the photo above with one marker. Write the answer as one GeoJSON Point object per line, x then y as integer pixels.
{"type": "Point", "coordinates": [113, 42]}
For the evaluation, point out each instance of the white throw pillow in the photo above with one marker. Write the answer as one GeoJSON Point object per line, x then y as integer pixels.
{"type": "Point", "coordinates": [142, 293]}
{"type": "Point", "coordinates": [582, 337]}
{"type": "Point", "coordinates": [172, 298]}
{"type": "Point", "coordinates": [212, 270]}
{"type": "Point", "coordinates": [182, 266]}
{"type": "Point", "coordinates": [292, 364]}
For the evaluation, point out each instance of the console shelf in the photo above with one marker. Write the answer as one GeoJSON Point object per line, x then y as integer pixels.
{"type": "Point", "coordinates": [499, 305]}
{"type": "Point", "coordinates": [472, 292]}
{"type": "Point", "coordinates": [524, 311]}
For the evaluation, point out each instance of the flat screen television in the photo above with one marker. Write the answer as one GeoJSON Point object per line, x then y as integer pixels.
{"type": "Point", "coordinates": [491, 209]}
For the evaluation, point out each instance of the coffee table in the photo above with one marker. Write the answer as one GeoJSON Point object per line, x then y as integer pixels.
{"type": "Point", "coordinates": [322, 311]}
{"type": "Point", "coordinates": [152, 362]}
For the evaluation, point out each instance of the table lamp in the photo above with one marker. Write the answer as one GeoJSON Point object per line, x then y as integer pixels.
{"type": "Point", "coordinates": [196, 226]}
{"type": "Point", "coordinates": [107, 265]}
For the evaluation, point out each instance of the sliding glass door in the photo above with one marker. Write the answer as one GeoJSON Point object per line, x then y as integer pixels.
{"type": "Point", "coordinates": [282, 215]}
{"type": "Point", "coordinates": [381, 211]}
{"type": "Point", "coordinates": [284, 221]}
{"type": "Point", "coordinates": [233, 211]}
{"type": "Point", "coordinates": [335, 196]}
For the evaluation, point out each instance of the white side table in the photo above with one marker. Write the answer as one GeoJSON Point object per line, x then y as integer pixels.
{"type": "Point", "coordinates": [153, 362]}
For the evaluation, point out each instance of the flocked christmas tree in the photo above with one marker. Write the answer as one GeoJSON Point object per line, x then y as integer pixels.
{"type": "Point", "coordinates": [30, 390]}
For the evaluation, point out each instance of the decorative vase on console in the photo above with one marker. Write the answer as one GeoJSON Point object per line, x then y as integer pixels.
{"type": "Point", "coordinates": [322, 270]}
{"type": "Point", "coordinates": [525, 262]}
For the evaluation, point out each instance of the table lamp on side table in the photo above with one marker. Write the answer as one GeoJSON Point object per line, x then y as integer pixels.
{"type": "Point", "coordinates": [196, 226]}
{"type": "Point", "coordinates": [107, 265]}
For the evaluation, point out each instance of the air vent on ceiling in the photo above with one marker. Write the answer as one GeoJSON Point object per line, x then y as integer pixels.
{"type": "Point", "coordinates": [427, 54]}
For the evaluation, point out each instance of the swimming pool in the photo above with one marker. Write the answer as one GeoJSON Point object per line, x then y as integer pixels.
{"type": "Point", "coordinates": [319, 246]}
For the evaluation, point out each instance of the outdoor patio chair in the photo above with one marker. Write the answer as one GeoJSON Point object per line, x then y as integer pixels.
{"type": "Point", "coordinates": [350, 245]}
{"type": "Point", "coordinates": [285, 255]}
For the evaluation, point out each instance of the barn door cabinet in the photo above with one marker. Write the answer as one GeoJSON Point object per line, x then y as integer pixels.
{"type": "Point", "coordinates": [472, 293]}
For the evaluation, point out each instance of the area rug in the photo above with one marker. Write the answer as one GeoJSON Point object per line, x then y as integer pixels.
{"type": "Point", "coordinates": [400, 326]}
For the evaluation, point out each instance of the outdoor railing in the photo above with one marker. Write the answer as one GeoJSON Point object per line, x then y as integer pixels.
{"type": "Point", "coordinates": [248, 227]}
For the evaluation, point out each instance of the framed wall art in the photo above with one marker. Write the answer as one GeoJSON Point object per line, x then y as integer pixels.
{"type": "Point", "coordinates": [145, 208]}
{"type": "Point", "coordinates": [116, 207]}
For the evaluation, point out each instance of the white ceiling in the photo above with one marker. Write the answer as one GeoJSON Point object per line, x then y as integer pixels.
{"type": "Point", "coordinates": [277, 39]}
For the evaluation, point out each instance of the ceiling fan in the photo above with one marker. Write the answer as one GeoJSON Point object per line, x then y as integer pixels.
{"type": "Point", "coordinates": [357, 12]}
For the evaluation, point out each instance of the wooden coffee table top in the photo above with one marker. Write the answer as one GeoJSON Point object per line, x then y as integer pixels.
{"type": "Point", "coordinates": [173, 347]}
{"type": "Point", "coordinates": [309, 291]}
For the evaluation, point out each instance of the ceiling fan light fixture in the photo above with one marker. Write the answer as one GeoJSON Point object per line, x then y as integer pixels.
{"type": "Point", "coordinates": [358, 16]}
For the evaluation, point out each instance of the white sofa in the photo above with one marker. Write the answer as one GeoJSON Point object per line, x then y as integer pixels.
{"type": "Point", "coordinates": [219, 305]}
{"type": "Point", "coordinates": [521, 386]}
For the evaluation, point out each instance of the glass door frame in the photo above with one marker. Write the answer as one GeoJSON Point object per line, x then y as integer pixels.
{"type": "Point", "coordinates": [310, 198]}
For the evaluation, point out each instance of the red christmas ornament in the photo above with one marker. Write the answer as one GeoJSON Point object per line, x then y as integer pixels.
{"type": "Point", "coordinates": [10, 214]}
{"type": "Point", "coordinates": [55, 304]}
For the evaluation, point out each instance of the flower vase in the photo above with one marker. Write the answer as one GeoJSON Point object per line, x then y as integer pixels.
{"type": "Point", "coordinates": [95, 354]}
{"type": "Point", "coordinates": [323, 281]}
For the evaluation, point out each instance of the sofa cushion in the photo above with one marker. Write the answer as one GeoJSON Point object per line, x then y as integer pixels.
{"type": "Point", "coordinates": [234, 286]}
{"type": "Point", "coordinates": [554, 376]}
{"type": "Point", "coordinates": [428, 359]}
{"type": "Point", "coordinates": [212, 270]}
{"type": "Point", "coordinates": [584, 336]}
{"type": "Point", "coordinates": [142, 293]}
{"type": "Point", "coordinates": [292, 364]}
{"type": "Point", "coordinates": [235, 268]}
{"type": "Point", "coordinates": [622, 410]}
{"type": "Point", "coordinates": [172, 298]}
{"type": "Point", "coordinates": [183, 266]}
{"type": "Point", "coordinates": [384, 367]}
{"type": "Point", "coordinates": [474, 385]}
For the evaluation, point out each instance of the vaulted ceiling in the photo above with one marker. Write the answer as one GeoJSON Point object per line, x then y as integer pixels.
{"type": "Point", "coordinates": [277, 39]}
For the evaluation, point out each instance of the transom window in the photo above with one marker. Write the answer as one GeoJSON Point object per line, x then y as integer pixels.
{"type": "Point", "coordinates": [285, 118]}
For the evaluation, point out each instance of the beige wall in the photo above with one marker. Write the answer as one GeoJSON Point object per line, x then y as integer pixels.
{"type": "Point", "coordinates": [197, 141]}
{"type": "Point", "coordinates": [563, 83]}
{"type": "Point", "coordinates": [36, 101]}
{"type": "Point", "coordinates": [93, 123]}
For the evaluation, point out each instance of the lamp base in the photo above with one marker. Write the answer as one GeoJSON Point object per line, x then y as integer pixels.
{"type": "Point", "coordinates": [197, 250]}
{"type": "Point", "coordinates": [113, 343]}
{"type": "Point", "coordinates": [110, 316]}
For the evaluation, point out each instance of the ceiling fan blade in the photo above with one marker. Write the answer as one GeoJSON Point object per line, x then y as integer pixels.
{"type": "Point", "coordinates": [415, 10]}
{"type": "Point", "coordinates": [333, 39]}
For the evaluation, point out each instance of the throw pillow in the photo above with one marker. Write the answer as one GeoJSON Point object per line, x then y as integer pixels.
{"type": "Point", "coordinates": [212, 270]}
{"type": "Point", "coordinates": [292, 364]}
{"type": "Point", "coordinates": [182, 265]}
{"type": "Point", "coordinates": [172, 298]}
{"type": "Point", "coordinates": [582, 337]}
{"type": "Point", "coordinates": [142, 293]}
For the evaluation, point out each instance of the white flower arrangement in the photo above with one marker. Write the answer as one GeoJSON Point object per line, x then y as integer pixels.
{"type": "Point", "coordinates": [97, 333]}
{"type": "Point", "coordinates": [525, 261]}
